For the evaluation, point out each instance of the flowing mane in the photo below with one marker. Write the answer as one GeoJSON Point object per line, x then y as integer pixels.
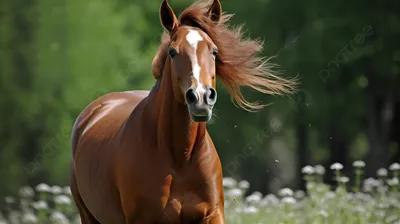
{"type": "Point", "coordinates": [237, 63]}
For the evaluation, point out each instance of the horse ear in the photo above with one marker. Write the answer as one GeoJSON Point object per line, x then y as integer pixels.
{"type": "Point", "coordinates": [215, 11]}
{"type": "Point", "coordinates": [167, 16]}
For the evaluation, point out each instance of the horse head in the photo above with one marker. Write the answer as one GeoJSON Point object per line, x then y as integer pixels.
{"type": "Point", "coordinates": [191, 62]}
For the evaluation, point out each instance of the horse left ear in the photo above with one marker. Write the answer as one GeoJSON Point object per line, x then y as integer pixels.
{"type": "Point", "coordinates": [167, 16]}
{"type": "Point", "coordinates": [215, 11]}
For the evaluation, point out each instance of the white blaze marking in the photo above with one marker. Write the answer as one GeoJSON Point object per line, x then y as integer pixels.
{"type": "Point", "coordinates": [193, 38]}
{"type": "Point", "coordinates": [108, 106]}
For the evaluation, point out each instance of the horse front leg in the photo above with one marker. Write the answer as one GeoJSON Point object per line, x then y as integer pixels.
{"type": "Point", "coordinates": [217, 219]}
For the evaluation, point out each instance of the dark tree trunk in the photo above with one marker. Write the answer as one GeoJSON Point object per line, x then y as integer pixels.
{"type": "Point", "coordinates": [21, 42]}
{"type": "Point", "coordinates": [380, 118]}
{"type": "Point", "coordinates": [395, 133]}
{"type": "Point", "coordinates": [338, 149]}
{"type": "Point", "coordinates": [302, 152]}
{"type": "Point", "coordinates": [22, 55]}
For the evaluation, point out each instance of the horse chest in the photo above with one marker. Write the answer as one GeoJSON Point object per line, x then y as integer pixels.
{"type": "Point", "coordinates": [185, 195]}
{"type": "Point", "coordinates": [185, 201]}
{"type": "Point", "coordinates": [186, 208]}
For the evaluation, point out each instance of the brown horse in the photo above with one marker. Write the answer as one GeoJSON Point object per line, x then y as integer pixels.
{"type": "Point", "coordinates": [146, 156]}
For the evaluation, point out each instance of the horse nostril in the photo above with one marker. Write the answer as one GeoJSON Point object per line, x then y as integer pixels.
{"type": "Point", "coordinates": [211, 96]}
{"type": "Point", "coordinates": [191, 96]}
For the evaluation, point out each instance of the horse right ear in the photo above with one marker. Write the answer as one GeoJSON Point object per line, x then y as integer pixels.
{"type": "Point", "coordinates": [215, 11]}
{"type": "Point", "coordinates": [167, 16]}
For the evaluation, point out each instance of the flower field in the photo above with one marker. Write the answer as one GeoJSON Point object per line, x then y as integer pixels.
{"type": "Point", "coordinates": [353, 201]}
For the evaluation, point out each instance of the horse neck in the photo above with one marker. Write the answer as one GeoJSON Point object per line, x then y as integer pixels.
{"type": "Point", "coordinates": [177, 134]}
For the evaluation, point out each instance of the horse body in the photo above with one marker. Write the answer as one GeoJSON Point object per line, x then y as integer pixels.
{"type": "Point", "coordinates": [162, 181]}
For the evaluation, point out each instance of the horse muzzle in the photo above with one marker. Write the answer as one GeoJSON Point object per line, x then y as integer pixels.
{"type": "Point", "coordinates": [200, 103]}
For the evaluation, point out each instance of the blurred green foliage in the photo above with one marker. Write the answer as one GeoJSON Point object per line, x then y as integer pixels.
{"type": "Point", "coordinates": [56, 56]}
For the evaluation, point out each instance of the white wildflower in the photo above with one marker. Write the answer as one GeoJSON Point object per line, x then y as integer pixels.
{"type": "Point", "coordinates": [9, 200]}
{"type": "Point", "coordinates": [43, 188]}
{"type": "Point", "coordinates": [229, 182]}
{"type": "Point", "coordinates": [382, 172]}
{"type": "Point", "coordinates": [244, 185]}
{"type": "Point", "coordinates": [288, 200]}
{"type": "Point", "coordinates": [382, 189]}
{"type": "Point", "coordinates": [24, 205]}
{"type": "Point", "coordinates": [373, 182]}
{"type": "Point", "coordinates": [67, 190]}
{"type": "Point", "coordinates": [58, 218]}
{"type": "Point", "coordinates": [393, 182]}
{"type": "Point", "coordinates": [272, 199]}
{"type": "Point", "coordinates": [343, 179]}
{"type": "Point", "coordinates": [367, 197]}
{"type": "Point", "coordinates": [14, 217]}
{"type": "Point", "coordinates": [359, 164]}
{"type": "Point", "coordinates": [235, 192]}
{"type": "Point", "coordinates": [258, 193]}
{"type": "Point", "coordinates": [350, 196]}
{"type": "Point", "coordinates": [320, 188]}
{"type": "Point", "coordinates": [362, 196]}
{"type": "Point", "coordinates": [329, 195]}
{"type": "Point", "coordinates": [62, 199]}
{"type": "Point", "coordinates": [359, 209]}
{"type": "Point", "coordinates": [299, 194]}
{"type": "Point", "coordinates": [336, 166]}
{"type": "Point", "coordinates": [323, 213]}
{"type": "Point", "coordinates": [307, 170]}
{"type": "Point", "coordinates": [39, 205]}
{"type": "Point", "coordinates": [285, 192]}
{"type": "Point", "coordinates": [238, 210]}
{"type": "Point", "coordinates": [369, 181]}
{"type": "Point", "coordinates": [26, 192]}
{"type": "Point", "coordinates": [383, 205]}
{"type": "Point", "coordinates": [310, 185]}
{"type": "Point", "coordinates": [380, 214]}
{"type": "Point", "coordinates": [29, 218]}
{"type": "Point", "coordinates": [392, 201]}
{"type": "Point", "coordinates": [253, 198]}
{"type": "Point", "coordinates": [77, 219]}
{"type": "Point", "coordinates": [264, 202]}
{"type": "Point", "coordinates": [250, 210]}
{"type": "Point", "coordinates": [56, 190]}
{"type": "Point", "coordinates": [394, 166]}
{"type": "Point", "coordinates": [391, 219]}
{"type": "Point", "coordinates": [367, 188]}
{"type": "Point", "coordinates": [319, 169]}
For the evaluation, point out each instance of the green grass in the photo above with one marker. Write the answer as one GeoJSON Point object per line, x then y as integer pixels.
{"type": "Point", "coordinates": [352, 201]}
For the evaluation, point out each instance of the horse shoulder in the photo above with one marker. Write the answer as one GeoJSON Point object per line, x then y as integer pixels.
{"type": "Point", "coordinates": [101, 108]}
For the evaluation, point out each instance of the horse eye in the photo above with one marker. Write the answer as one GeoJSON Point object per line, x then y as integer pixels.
{"type": "Point", "coordinates": [215, 52]}
{"type": "Point", "coordinates": [172, 52]}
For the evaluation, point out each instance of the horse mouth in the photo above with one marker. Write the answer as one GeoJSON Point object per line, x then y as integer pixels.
{"type": "Point", "coordinates": [200, 113]}
{"type": "Point", "coordinates": [201, 118]}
